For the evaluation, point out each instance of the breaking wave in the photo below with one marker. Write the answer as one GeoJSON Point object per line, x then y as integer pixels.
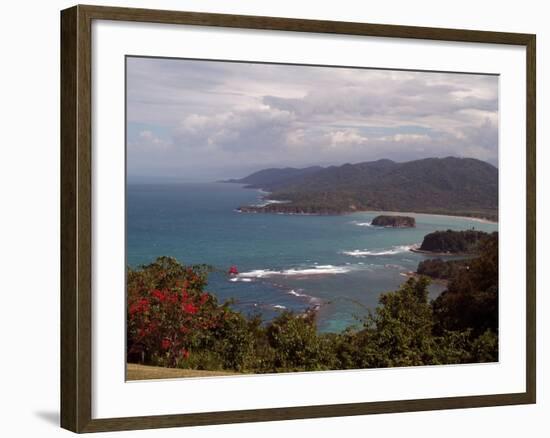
{"type": "Point", "coordinates": [243, 279]}
{"type": "Point", "coordinates": [299, 294]}
{"type": "Point", "coordinates": [381, 252]}
{"type": "Point", "coordinates": [362, 224]}
{"type": "Point", "coordinates": [313, 270]}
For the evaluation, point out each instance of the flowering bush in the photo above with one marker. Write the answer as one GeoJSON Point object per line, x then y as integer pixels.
{"type": "Point", "coordinates": [168, 311]}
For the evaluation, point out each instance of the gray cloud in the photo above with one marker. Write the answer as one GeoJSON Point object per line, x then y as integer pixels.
{"type": "Point", "coordinates": [202, 119]}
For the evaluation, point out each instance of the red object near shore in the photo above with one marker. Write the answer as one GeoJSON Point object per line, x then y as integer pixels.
{"type": "Point", "coordinates": [233, 270]}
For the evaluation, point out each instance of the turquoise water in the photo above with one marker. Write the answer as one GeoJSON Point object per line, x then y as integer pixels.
{"type": "Point", "coordinates": [340, 264]}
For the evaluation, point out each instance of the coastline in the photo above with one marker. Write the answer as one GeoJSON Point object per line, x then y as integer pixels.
{"type": "Point", "coordinates": [442, 254]}
{"type": "Point", "coordinates": [278, 202]}
{"type": "Point", "coordinates": [473, 218]}
{"type": "Point", "coordinates": [273, 202]}
{"type": "Point", "coordinates": [416, 275]}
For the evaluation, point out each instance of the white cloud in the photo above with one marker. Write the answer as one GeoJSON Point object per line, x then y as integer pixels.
{"type": "Point", "coordinates": [218, 116]}
{"type": "Point", "coordinates": [407, 138]}
{"type": "Point", "coordinates": [347, 137]}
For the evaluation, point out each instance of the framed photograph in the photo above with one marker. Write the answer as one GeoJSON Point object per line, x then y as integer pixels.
{"type": "Point", "coordinates": [271, 218]}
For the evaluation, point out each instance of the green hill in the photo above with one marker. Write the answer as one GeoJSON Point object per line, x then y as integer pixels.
{"type": "Point", "coordinates": [459, 186]}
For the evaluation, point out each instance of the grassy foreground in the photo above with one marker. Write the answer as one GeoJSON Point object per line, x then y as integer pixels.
{"type": "Point", "coordinates": [146, 372]}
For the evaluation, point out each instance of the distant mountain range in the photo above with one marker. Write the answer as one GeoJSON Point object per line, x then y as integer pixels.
{"type": "Point", "coordinates": [458, 186]}
{"type": "Point", "coordinates": [273, 177]}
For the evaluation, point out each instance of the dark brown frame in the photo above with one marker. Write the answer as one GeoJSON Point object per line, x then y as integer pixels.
{"type": "Point", "coordinates": [76, 238]}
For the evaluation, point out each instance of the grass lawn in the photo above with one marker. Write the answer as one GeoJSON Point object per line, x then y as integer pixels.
{"type": "Point", "coordinates": [144, 372]}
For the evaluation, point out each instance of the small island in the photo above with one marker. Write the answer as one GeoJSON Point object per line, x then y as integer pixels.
{"type": "Point", "coordinates": [394, 221]}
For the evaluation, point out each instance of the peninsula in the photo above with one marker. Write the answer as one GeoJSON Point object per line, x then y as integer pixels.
{"type": "Point", "coordinates": [453, 186]}
{"type": "Point", "coordinates": [451, 242]}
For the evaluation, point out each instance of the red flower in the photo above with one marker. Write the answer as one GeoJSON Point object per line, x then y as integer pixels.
{"type": "Point", "coordinates": [133, 309]}
{"type": "Point", "coordinates": [166, 343]}
{"type": "Point", "coordinates": [185, 353]}
{"type": "Point", "coordinates": [141, 306]}
{"type": "Point", "coordinates": [161, 296]}
{"type": "Point", "coordinates": [184, 295]}
{"type": "Point", "coordinates": [204, 298]}
{"type": "Point", "coordinates": [190, 308]}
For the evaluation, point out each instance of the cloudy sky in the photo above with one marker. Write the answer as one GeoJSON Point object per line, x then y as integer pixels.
{"type": "Point", "coordinates": [205, 120]}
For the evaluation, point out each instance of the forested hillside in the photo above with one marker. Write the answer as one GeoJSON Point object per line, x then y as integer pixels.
{"type": "Point", "coordinates": [459, 186]}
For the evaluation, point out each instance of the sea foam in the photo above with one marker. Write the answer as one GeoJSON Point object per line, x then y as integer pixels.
{"type": "Point", "coordinates": [313, 270]}
{"type": "Point", "coordinates": [362, 224]}
{"type": "Point", "coordinates": [381, 252]}
{"type": "Point", "coordinates": [298, 294]}
{"type": "Point", "coordinates": [243, 279]}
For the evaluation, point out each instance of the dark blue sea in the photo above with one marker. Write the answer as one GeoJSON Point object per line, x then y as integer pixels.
{"type": "Point", "coordinates": [340, 264]}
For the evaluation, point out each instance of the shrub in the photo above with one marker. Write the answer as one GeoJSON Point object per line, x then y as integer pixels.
{"type": "Point", "coordinates": [471, 298]}
{"type": "Point", "coordinates": [400, 331]}
{"type": "Point", "coordinates": [443, 270]}
{"type": "Point", "coordinates": [168, 313]}
{"type": "Point", "coordinates": [172, 321]}
{"type": "Point", "coordinates": [295, 342]}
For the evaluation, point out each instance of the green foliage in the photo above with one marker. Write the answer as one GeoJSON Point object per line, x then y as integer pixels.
{"type": "Point", "coordinates": [394, 221]}
{"type": "Point", "coordinates": [442, 270]}
{"type": "Point", "coordinates": [233, 341]}
{"type": "Point", "coordinates": [471, 298]}
{"type": "Point", "coordinates": [456, 242]}
{"type": "Point", "coordinates": [485, 347]}
{"type": "Point", "coordinates": [400, 331]}
{"type": "Point", "coordinates": [463, 186]}
{"type": "Point", "coordinates": [295, 343]}
{"type": "Point", "coordinates": [453, 347]}
{"type": "Point", "coordinates": [173, 322]}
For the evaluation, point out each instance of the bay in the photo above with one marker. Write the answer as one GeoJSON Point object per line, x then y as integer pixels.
{"type": "Point", "coordinates": [338, 264]}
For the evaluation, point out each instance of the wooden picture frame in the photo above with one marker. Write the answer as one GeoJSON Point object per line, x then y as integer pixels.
{"type": "Point", "coordinates": [76, 217]}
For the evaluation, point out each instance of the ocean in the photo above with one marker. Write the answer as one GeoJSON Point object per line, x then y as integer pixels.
{"type": "Point", "coordinates": [337, 264]}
